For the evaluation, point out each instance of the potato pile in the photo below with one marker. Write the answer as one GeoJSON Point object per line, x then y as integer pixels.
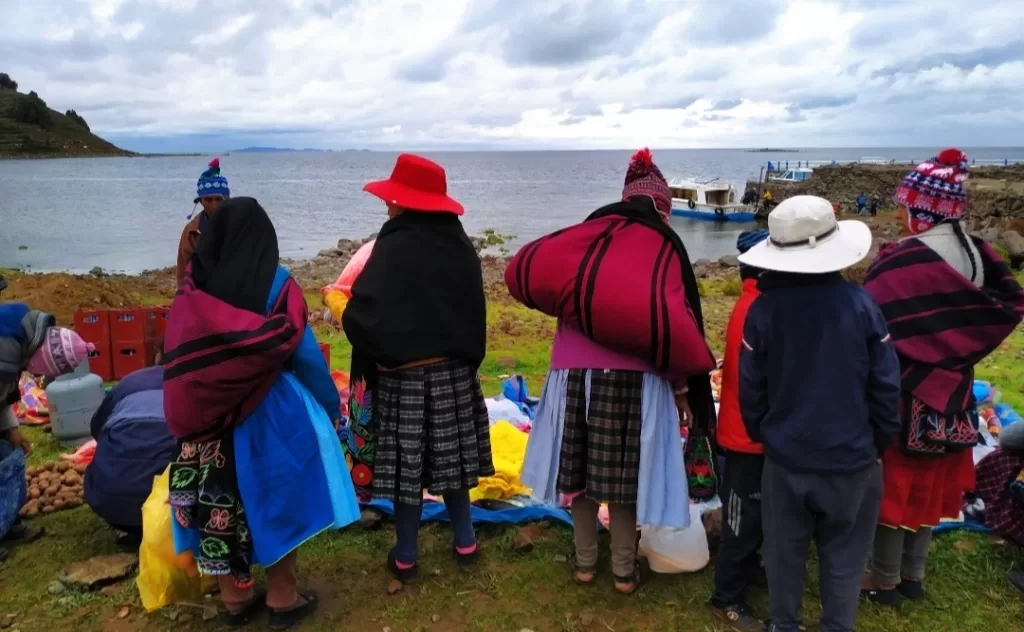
{"type": "Point", "coordinates": [53, 487]}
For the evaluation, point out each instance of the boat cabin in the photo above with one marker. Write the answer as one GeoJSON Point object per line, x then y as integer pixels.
{"type": "Point", "coordinates": [704, 194]}
{"type": "Point", "coordinates": [794, 175]}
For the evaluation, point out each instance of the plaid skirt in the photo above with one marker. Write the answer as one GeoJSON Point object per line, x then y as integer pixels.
{"type": "Point", "coordinates": [432, 430]}
{"type": "Point", "coordinates": [600, 451]}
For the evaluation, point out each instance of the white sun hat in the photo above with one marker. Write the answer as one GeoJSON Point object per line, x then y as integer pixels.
{"type": "Point", "coordinates": [804, 236]}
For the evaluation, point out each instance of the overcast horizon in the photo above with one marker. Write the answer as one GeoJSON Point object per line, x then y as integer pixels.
{"type": "Point", "coordinates": [483, 75]}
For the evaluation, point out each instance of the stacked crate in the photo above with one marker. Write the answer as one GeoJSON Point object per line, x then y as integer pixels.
{"type": "Point", "coordinates": [94, 326]}
{"type": "Point", "coordinates": [126, 340]}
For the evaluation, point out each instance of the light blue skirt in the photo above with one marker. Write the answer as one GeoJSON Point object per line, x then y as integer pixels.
{"type": "Point", "coordinates": [663, 497]}
{"type": "Point", "coordinates": [291, 475]}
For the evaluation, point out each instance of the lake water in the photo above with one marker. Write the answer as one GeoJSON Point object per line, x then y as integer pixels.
{"type": "Point", "coordinates": [126, 214]}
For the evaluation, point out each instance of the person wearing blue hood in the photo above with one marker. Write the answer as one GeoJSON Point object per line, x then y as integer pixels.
{"type": "Point", "coordinates": [211, 191]}
{"type": "Point", "coordinates": [133, 446]}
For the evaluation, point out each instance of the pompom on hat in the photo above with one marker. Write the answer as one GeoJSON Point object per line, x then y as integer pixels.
{"type": "Point", "coordinates": [212, 183]}
{"type": "Point", "coordinates": [644, 178]}
{"type": "Point", "coordinates": [61, 352]}
{"type": "Point", "coordinates": [935, 191]}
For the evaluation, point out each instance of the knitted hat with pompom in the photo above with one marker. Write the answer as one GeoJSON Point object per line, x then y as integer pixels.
{"type": "Point", "coordinates": [643, 178]}
{"type": "Point", "coordinates": [212, 183]}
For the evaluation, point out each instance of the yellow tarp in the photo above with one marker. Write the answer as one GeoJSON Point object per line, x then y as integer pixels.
{"type": "Point", "coordinates": [336, 302]}
{"type": "Point", "coordinates": [508, 449]}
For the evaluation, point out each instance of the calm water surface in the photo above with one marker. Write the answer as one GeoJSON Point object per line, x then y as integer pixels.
{"type": "Point", "coordinates": [127, 213]}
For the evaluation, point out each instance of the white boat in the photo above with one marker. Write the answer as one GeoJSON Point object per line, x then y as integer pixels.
{"type": "Point", "coordinates": [711, 199]}
{"type": "Point", "coordinates": [793, 175]}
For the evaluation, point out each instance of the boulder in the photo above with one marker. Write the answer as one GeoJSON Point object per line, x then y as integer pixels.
{"type": "Point", "coordinates": [1013, 243]}
{"type": "Point", "coordinates": [701, 263]}
{"type": "Point", "coordinates": [731, 261]}
{"type": "Point", "coordinates": [100, 570]}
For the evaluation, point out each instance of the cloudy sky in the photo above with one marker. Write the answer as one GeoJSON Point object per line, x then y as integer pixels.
{"type": "Point", "coordinates": [188, 75]}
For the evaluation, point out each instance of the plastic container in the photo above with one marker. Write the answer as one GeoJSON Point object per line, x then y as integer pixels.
{"type": "Point", "coordinates": [73, 399]}
{"type": "Point", "coordinates": [129, 357]}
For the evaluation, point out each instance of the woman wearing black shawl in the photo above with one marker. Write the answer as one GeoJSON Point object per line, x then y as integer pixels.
{"type": "Point", "coordinates": [417, 322]}
{"type": "Point", "coordinates": [248, 395]}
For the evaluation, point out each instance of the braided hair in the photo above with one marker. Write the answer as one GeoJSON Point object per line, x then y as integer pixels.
{"type": "Point", "coordinates": [965, 242]}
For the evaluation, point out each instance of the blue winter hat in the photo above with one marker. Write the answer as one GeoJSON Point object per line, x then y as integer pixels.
{"type": "Point", "coordinates": [750, 238]}
{"type": "Point", "coordinates": [212, 183]}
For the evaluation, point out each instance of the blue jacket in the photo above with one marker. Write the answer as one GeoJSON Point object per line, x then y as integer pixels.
{"type": "Point", "coordinates": [133, 446]}
{"type": "Point", "coordinates": [819, 377]}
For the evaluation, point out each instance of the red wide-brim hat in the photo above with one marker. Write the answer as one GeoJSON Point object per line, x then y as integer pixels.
{"type": "Point", "coordinates": [417, 184]}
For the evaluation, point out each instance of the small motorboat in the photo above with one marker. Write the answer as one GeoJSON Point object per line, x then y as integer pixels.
{"type": "Point", "coordinates": [713, 200]}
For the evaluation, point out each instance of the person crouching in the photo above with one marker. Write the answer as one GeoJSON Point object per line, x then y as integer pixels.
{"type": "Point", "coordinates": [417, 321]}
{"type": "Point", "coordinates": [820, 388]}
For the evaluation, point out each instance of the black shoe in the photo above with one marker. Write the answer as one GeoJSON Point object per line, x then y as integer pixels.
{"type": "Point", "coordinates": [1017, 579]}
{"type": "Point", "coordinates": [890, 598]}
{"type": "Point", "coordinates": [404, 575]}
{"type": "Point", "coordinates": [21, 533]}
{"type": "Point", "coordinates": [243, 618]}
{"type": "Point", "coordinates": [913, 591]}
{"type": "Point", "coordinates": [467, 561]}
{"type": "Point", "coordinates": [739, 617]}
{"type": "Point", "coordinates": [284, 619]}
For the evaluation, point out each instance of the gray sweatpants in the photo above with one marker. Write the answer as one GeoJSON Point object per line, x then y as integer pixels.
{"type": "Point", "coordinates": [838, 512]}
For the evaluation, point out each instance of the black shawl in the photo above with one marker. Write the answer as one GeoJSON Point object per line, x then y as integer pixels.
{"type": "Point", "coordinates": [237, 255]}
{"type": "Point", "coordinates": [421, 294]}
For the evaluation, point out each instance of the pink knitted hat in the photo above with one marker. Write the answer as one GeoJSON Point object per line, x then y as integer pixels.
{"type": "Point", "coordinates": [644, 178]}
{"type": "Point", "coordinates": [61, 352]}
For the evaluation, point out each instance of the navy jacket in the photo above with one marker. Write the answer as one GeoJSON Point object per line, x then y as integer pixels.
{"type": "Point", "coordinates": [819, 377]}
{"type": "Point", "coordinates": [133, 446]}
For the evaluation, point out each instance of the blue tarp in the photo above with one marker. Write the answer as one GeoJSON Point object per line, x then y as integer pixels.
{"type": "Point", "coordinates": [961, 525]}
{"type": "Point", "coordinates": [436, 512]}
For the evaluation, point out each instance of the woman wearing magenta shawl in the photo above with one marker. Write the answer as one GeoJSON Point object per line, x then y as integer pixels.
{"type": "Point", "coordinates": [949, 301]}
{"type": "Point", "coordinates": [249, 397]}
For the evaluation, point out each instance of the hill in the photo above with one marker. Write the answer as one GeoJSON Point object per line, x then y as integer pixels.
{"type": "Point", "coordinates": [30, 129]}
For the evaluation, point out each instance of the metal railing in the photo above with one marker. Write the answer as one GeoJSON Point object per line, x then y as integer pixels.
{"type": "Point", "coordinates": [786, 165]}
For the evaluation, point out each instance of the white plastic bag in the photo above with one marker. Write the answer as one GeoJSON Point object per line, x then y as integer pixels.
{"type": "Point", "coordinates": [673, 550]}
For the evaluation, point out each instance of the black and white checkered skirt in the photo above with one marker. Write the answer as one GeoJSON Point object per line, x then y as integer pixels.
{"type": "Point", "coordinates": [432, 432]}
{"type": "Point", "coordinates": [600, 451]}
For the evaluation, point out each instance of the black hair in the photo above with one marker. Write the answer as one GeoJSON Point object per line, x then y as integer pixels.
{"type": "Point", "coordinates": [965, 242]}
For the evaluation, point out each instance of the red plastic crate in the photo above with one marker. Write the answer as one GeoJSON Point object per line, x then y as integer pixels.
{"type": "Point", "coordinates": [94, 326]}
{"type": "Point", "coordinates": [127, 325]}
{"type": "Point", "coordinates": [156, 321]}
{"type": "Point", "coordinates": [325, 348]}
{"type": "Point", "coordinates": [100, 361]}
{"type": "Point", "coordinates": [128, 357]}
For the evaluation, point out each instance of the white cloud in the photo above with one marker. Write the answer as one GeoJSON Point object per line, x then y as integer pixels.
{"type": "Point", "coordinates": [533, 73]}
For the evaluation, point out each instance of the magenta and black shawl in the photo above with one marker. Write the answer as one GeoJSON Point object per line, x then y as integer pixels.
{"type": "Point", "coordinates": [941, 323]}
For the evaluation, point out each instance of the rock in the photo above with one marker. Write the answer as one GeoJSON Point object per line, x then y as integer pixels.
{"type": "Point", "coordinates": [731, 261]}
{"type": "Point", "coordinates": [209, 613]}
{"type": "Point", "coordinates": [525, 538]}
{"type": "Point", "coordinates": [330, 253]}
{"type": "Point", "coordinates": [124, 612]}
{"type": "Point", "coordinates": [435, 618]}
{"type": "Point", "coordinates": [100, 570]}
{"type": "Point", "coordinates": [701, 262]}
{"type": "Point", "coordinates": [8, 621]}
{"type": "Point", "coordinates": [370, 520]}
{"type": "Point", "coordinates": [395, 587]}
{"type": "Point", "coordinates": [64, 602]}
{"type": "Point", "coordinates": [346, 244]}
{"type": "Point", "coordinates": [56, 588]}
{"type": "Point", "coordinates": [97, 272]}
{"type": "Point", "coordinates": [185, 618]}
{"type": "Point", "coordinates": [111, 591]}
{"type": "Point", "coordinates": [713, 524]}
{"type": "Point", "coordinates": [559, 559]}
{"type": "Point", "coordinates": [1013, 243]}
{"type": "Point", "coordinates": [173, 614]}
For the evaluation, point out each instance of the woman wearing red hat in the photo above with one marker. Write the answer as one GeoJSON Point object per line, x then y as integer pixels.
{"type": "Point", "coordinates": [417, 321]}
{"type": "Point", "coordinates": [949, 301]}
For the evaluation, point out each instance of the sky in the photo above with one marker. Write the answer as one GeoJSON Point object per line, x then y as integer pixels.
{"type": "Point", "coordinates": [185, 75]}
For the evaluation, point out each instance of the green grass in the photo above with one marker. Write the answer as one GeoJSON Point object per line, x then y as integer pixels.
{"type": "Point", "coordinates": [511, 591]}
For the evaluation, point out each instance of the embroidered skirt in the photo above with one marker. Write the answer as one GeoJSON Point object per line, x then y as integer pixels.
{"type": "Point", "coordinates": [432, 431]}
{"type": "Point", "coordinates": [613, 435]}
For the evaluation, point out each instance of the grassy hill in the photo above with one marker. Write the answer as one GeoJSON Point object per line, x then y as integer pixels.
{"type": "Point", "coordinates": [59, 136]}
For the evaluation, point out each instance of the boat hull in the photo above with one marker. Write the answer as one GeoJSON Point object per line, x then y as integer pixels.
{"type": "Point", "coordinates": [709, 214]}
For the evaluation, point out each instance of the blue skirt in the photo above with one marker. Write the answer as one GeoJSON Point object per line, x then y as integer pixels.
{"type": "Point", "coordinates": [291, 475]}
{"type": "Point", "coordinates": [662, 496]}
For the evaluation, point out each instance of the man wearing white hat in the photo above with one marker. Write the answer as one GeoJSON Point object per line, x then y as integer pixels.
{"type": "Point", "coordinates": [820, 389]}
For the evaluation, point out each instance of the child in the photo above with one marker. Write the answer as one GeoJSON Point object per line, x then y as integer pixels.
{"type": "Point", "coordinates": [820, 388]}
{"type": "Point", "coordinates": [737, 561]}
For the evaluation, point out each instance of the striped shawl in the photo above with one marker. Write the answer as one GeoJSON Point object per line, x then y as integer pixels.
{"type": "Point", "coordinates": [941, 323]}
{"type": "Point", "coordinates": [221, 361]}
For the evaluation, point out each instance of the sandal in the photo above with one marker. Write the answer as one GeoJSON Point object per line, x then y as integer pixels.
{"type": "Point", "coordinates": [404, 575]}
{"type": "Point", "coordinates": [284, 619]}
{"type": "Point", "coordinates": [641, 575]}
{"type": "Point", "coordinates": [467, 561]}
{"type": "Point", "coordinates": [578, 568]}
{"type": "Point", "coordinates": [243, 617]}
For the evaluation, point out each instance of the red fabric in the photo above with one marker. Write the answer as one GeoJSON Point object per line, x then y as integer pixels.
{"type": "Point", "coordinates": [919, 491]}
{"type": "Point", "coordinates": [732, 435]}
{"type": "Point", "coordinates": [221, 361]}
{"type": "Point", "coordinates": [621, 284]}
{"type": "Point", "coordinates": [416, 183]}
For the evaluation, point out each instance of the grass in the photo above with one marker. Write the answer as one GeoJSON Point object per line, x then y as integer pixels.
{"type": "Point", "coordinates": [511, 591]}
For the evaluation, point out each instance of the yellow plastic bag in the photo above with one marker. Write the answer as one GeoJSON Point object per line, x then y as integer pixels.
{"type": "Point", "coordinates": [165, 578]}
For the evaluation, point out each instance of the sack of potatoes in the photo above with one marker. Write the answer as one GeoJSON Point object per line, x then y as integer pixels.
{"type": "Point", "coordinates": [53, 487]}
